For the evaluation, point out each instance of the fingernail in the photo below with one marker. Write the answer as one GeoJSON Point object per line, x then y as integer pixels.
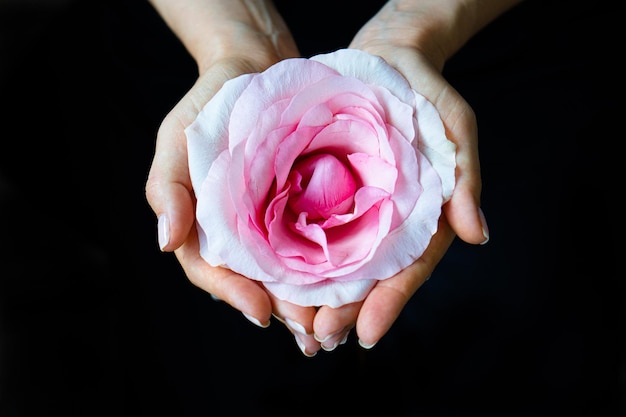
{"type": "Point", "coordinates": [163, 228]}
{"type": "Point", "coordinates": [324, 339]}
{"type": "Point", "coordinates": [483, 222]}
{"type": "Point", "coordinates": [302, 346]}
{"type": "Point", "coordinates": [295, 326]}
{"type": "Point", "coordinates": [255, 321]}
{"type": "Point", "coordinates": [337, 342]}
{"type": "Point", "coordinates": [365, 345]}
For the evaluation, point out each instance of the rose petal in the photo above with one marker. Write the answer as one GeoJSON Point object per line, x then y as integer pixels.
{"type": "Point", "coordinates": [415, 232]}
{"type": "Point", "coordinates": [370, 69]}
{"type": "Point", "coordinates": [264, 91]}
{"type": "Point", "coordinates": [434, 144]}
{"type": "Point", "coordinates": [207, 135]}
{"type": "Point", "coordinates": [346, 136]}
{"type": "Point", "coordinates": [329, 190]}
{"type": "Point", "coordinates": [374, 171]}
{"type": "Point", "coordinates": [331, 293]}
{"type": "Point", "coordinates": [336, 91]}
{"type": "Point", "coordinates": [349, 107]}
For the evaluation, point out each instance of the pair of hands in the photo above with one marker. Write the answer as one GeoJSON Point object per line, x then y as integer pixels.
{"type": "Point", "coordinates": [258, 46]}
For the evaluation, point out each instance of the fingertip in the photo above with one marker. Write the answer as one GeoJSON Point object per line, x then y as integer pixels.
{"type": "Point", "coordinates": [366, 345]}
{"type": "Point", "coordinates": [163, 231]}
{"type": "Point", "coordinates": [467, 219]}
{"type": "Point", "coordinates": [262, 324]}
{"type": "Point", "coordinates": [252, 301]}
{"type": "Point", "coordinates": [380, 310]}
{"type": "Point", "coordinates": [484, 226]}
{"type": "Point", "coordinates": [227, 286]}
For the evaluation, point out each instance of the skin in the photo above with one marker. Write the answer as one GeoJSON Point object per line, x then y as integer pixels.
{"type": "Point", "coordinates": [232, 37]}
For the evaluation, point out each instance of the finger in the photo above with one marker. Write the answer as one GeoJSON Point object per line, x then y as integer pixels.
{"type": "Point", "coordinates": [238, 291]}
{"type": "Point", "coordinates": [168, 188]}
{"type": "Point", "coordinates": [299, 321]}
{"type": "Point", "coordinates": [466, 217]}
{"type": "Point", "coordinates": [387, 299]}
{"type": "Point", "coordinates": [463, 212]}
{"type": "Point", "coordinates": [333, 325]}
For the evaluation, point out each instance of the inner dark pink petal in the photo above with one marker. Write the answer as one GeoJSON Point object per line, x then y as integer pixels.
{"type": "Point", "coordinates": [286, 240]}
{"type": "Point", "coordinates": [322, 185]}
{"type": "Point", "coordinates": [353, 241]}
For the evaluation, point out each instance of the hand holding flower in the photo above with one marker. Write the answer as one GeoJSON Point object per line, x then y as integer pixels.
{"type": "Point", "coordinates": [265, 41]}
{"type": "Point", "coordinates": [169, 185]}
{"type": "Point", "coordinates": [417, 38]}
{"type": "Point", "coordinates": [319, 177]}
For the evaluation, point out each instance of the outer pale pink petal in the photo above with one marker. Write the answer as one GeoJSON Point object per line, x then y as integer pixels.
{"type": "Point", "coordinates": [207, 135]}
{"type": "Point", "coordinates": [399, 115]}
{"type": "Point", "coordinates": [281, 81]}
{"type": "Point", "coordinates": [370, 69]}
{"type": "Point", "coordinates": [215, 215]}
{"type": "Point", "coordinates": [221, 243]}
{"type": "Point", "coordinates": [328, 292]}
{"type": "Point", "coordinates": [408, 187]}
{"type": "Point", "coordinates": [433, 143]}
{"type": "Point", "coordinates": [335, 90]}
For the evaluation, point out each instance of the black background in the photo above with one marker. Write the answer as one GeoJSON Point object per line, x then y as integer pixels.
{"type": "Point", "coordinates": [95, 321]}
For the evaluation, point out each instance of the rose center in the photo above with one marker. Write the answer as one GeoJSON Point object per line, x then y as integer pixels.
{"type": "Point", "coordinates": [321, 185]}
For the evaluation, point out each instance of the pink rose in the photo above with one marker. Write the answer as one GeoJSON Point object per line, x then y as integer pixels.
{"type": "Point", "coordinates": [319, 176]}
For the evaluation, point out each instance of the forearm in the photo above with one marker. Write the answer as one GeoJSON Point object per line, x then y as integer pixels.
{"type": "Point", "coordinates": [215, 29]}
{"type": "Point", "coordinates": [438, 28]}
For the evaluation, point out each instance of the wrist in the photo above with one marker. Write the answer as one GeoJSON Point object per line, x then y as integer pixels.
{"type": "Point", "coordinates": [437, 28]}
{"type": "Point", "coordinates": [217, 30]}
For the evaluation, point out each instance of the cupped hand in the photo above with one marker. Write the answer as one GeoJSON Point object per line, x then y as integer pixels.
{"type": "Point", "coordinates": [421, 63]}
{"type": "Point", "coordinates": [170, 195]}
{"type": "Point", "coordinates": [169, 191]}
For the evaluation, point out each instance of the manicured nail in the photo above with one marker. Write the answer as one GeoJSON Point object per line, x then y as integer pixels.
{"type": "Point", "coordinates": [295, 326]}
{"type": "Point", "coordinates": [163, 228]}
{"type": "Point", "coordinates": [255, 321]}
{"type": "Point", "coordinates": [483, 222]}
{"type": "Point", "coordinates": [325, 339]}
{"type": "Point", "coordinates": [365, 345]}
{"type": "Point", "coordinates": [337, 342]}
{"type": "Point", "coordinates": [302, 346]}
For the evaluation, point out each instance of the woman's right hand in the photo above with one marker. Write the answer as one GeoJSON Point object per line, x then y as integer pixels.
{"type": "Point", "coordinates": [226, 39]}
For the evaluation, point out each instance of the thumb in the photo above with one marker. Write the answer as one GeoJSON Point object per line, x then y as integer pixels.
{"type": "Point", "coordinates": [168, 187]}
{"type": "Point", "coordinates": [466, 218]}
